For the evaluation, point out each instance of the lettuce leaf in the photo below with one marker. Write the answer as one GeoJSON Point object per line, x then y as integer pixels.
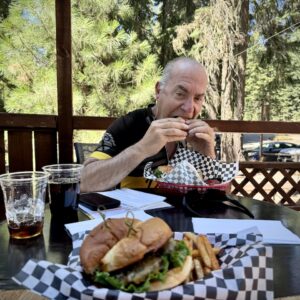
{"type": "Point", "coordinates": [177, 257]}
{"type": "Point", "coordinates": [157, 173]}
{"type": "Point", "coordinates": [170, 260]}
{"type": "Point", "coordinates": [108, 280]}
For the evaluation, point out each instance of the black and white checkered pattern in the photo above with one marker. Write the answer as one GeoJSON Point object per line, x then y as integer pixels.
{"type": "Point", "coordinates": [246, 273]}
{"type": "Point", "coordinates": [209, 168]}
{"type": "Point", "coordinates": [184, 170]}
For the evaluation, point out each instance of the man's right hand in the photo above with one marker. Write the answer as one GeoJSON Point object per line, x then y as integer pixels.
{"type": "Point", "coordinates": [161, 132]}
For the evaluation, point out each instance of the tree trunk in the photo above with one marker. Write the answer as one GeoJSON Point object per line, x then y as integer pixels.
{"type": "Point", "coordinates": [229, 150]}
{"type": "Point", "coordinates": [213, 106]}
{"type": "Point", "coordinates": [233, 83]}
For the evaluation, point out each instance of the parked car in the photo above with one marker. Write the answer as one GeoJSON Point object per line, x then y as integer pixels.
{"type": "Point", "coordinates": [289, 155]}
{"type": "Point", "coordinates": [269, 151]}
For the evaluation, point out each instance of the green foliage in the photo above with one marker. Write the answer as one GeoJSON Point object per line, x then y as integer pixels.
{"type": "Point", "coordinates": [110, 61]}
{"type": "Point", "coordinates": [273, 75]}
{"type": "Point", "coordinates": [120, 47]}
{"type": "Point", "coordinates": [110, 58]}
{"type": "Point", "coordinates": [4, 7]}
{"type": "Point", "coordinates": [113, 68]}
{"type": "Point", "coordinates": [27, 60]}
{"type": "Point", "coordinates": [170, 14]}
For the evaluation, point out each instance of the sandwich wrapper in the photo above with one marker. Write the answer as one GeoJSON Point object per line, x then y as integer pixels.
{"type": "Point", "coordinates": [187, 164]}
{"type": "Point", "coordinates": [246, 273]}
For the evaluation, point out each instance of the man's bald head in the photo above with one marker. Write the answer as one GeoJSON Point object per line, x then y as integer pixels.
{"type": "Point", "coordinates": [177, 64]}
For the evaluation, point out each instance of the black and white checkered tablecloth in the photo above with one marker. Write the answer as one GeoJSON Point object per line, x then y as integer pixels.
{"type": "Point", "coordinates": [246, 273]}
{"type": "Point", "coordinates": [182, 174]}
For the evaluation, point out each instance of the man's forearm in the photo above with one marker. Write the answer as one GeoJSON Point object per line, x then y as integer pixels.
{"type": "Point", "coordinates": [100, 175]}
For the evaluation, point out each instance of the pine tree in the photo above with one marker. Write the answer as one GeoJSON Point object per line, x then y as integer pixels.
{"type": "Point", "coordinates": [113, 70]}
{"type": "Point", "coordinates": [27, 58]}
{"type": "Point", "coordinates": [273, 64]}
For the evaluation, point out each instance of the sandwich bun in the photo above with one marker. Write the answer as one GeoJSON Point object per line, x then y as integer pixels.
{"type": "Point", "coordinates": [161, 171]}
{"type": "Point", "coordinates": [174, 276]}
{"type": "Point", "coordinates": [165, 168]}
{"type": "Point", "coordinates": [98, 242]}
{"type": "Point", "coordinates": [150, 236]}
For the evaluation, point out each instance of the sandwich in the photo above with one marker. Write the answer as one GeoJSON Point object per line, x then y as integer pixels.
{"type": "Point", "coordinates": [135, 257]}
{"type": "Point", "coordinates": [160, 171]}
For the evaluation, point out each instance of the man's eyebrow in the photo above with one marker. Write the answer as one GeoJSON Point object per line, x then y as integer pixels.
{"type": "Point", "coordinates": [180, 87]}
{"type": "Point", "coordinates": [200, 95]}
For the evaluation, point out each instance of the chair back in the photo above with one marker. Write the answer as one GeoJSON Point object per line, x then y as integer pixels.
{"type": "Point", "coordinates": [83, 151]}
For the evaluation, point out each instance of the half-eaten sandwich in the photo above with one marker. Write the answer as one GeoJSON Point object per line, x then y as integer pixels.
{"type": "Point", "coordinates": [135, 257]}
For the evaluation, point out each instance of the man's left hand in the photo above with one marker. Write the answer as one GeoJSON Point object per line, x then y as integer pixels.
{"type": "Point", "coordinates": [201, 137]}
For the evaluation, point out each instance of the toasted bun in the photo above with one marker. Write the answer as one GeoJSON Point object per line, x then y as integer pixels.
{"type": "Point", "coordinates": [165, 168]}
{"type": "Point", "coordinates": [174, 276]}
{"type": "Point", "coordinates": [150, 236]}
{"type": "Point", "coordinates": [100, 240]}
{"type": "Point", "coordinates": [200, 175]}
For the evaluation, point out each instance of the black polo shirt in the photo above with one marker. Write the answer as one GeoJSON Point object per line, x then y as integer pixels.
{"type": "Point", "coordinates": [124, 132]}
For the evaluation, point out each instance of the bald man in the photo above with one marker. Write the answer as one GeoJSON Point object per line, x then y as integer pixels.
{"type": "Point", "coordinates": [153, 133]}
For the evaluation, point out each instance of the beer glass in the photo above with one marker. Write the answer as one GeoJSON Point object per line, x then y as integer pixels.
{"type": "Point", "coordinates": [24, 198]}
{"type": "Point", "coordinates": [63, 189]}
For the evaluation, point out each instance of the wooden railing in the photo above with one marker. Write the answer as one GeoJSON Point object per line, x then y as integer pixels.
{"type": "Point", "coordinates": [38, 135]}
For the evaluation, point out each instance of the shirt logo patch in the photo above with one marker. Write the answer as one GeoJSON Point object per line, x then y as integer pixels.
{"type": "Point", "coordinates": [107, 143]}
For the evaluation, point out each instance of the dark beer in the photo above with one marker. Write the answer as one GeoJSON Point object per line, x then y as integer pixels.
{"type": "Point", "coordinates": [25, 230]}
{"type": "Point", "coordinates": [63, 198]}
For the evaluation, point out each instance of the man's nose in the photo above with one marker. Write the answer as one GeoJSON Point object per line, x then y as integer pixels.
{"type": "Point", "coordinates": [188, 106]}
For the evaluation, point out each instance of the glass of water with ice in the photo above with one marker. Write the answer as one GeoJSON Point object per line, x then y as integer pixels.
{"type": "Point", "coordinates": [24, 198]}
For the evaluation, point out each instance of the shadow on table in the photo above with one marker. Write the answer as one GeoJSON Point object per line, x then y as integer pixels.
{"type": "Point", "coordinates": [20, 251]}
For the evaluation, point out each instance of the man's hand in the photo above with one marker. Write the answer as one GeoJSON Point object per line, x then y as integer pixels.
{"type": "Point", "coordinates": [161, 132]}
{"type": "Point", "coordinates": [201, 137]}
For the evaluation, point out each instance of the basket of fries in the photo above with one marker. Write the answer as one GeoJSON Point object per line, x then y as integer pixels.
{"type": "Point", "coordinates": [189, 170]}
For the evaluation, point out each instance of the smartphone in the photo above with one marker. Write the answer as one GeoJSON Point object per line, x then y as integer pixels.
{"type": "Point", "coordinates": [94, 201]}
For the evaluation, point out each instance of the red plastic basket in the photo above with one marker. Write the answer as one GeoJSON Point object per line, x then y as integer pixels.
{"type": "Point", "coordinates": [184, 188]}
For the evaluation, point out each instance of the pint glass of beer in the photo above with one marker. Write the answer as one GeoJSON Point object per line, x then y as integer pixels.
{"type": "Point", "coordinates": [24, 198]}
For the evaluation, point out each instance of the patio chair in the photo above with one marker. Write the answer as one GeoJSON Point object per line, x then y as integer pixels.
{"type": "Point", "coordinates": [83, 151]}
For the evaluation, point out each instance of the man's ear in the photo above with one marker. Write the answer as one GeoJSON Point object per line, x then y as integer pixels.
{"type": "Point", "coordinates": [157, 89]}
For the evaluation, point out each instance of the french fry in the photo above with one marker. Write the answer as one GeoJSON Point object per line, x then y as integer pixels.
{"type": "Point", "coordinates": [216, 250]}
{"type": "Point", "coordinates": [191, 236]}
{"type": "Point", "coordinates": [191, 277]}
{"type": "Point", "coordinates": [213, 259]}
{"type": "Point", "coordinates": [204, 255]}
{"type": "Point", "coordinates": [198, 269]}
{"type": "Point", "coordinates": [206, 270]}
{"type": "Point", "coordinates": [203, 252]}
{"type": "Point", "coordinates": [189, 243]}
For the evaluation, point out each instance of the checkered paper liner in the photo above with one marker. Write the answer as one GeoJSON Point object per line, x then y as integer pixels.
{"type": "Point", "coordinates": [186, 164]}
{"type": "Point", "coordinates": [246, 273]}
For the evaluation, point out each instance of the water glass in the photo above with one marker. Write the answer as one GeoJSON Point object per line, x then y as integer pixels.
{"type": "Point", "coordinates": [24, 198]}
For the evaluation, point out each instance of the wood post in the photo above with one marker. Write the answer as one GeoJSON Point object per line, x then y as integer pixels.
{"type": "Point", "coordinates": [64, 80]}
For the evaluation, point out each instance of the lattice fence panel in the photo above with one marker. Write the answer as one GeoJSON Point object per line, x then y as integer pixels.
{"type": "Point", "coordinates": [279, 184]}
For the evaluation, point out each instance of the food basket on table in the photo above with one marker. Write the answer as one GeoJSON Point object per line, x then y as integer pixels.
{"type": "Point", "coordinates": [246, 273]}
{"type": "Point", "coordinates": [189, 170]}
